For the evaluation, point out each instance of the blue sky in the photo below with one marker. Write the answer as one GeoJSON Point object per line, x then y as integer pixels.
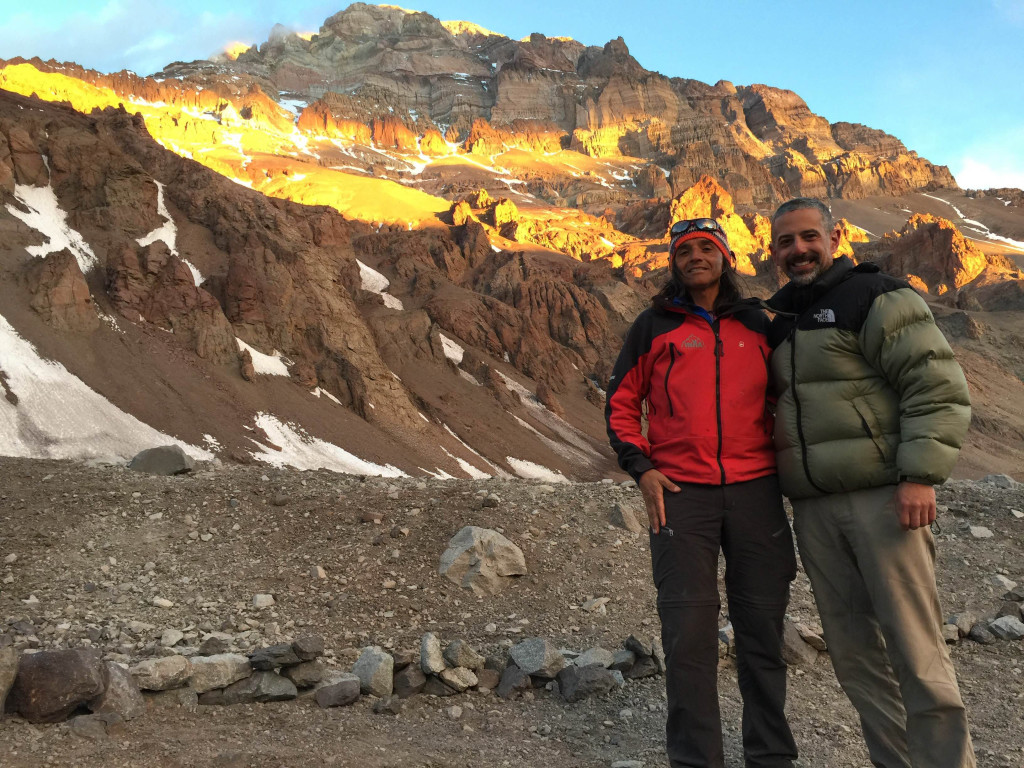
{"type": "Point", "coordinates": [942, 76]}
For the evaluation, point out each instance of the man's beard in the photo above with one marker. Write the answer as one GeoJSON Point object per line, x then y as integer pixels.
{"type": "Point", "coordinates": [806, 278]}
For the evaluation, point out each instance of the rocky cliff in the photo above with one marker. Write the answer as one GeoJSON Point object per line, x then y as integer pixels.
{"type": "Point", "coordinates": [763, 144]}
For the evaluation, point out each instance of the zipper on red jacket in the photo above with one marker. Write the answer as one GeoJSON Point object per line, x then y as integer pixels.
{"type": "Point", "coordinates": [799, 416]}
{"type": "Point", "coordinates": [719, 351]}
{"type": "Point", "coordinates": [671, 363]}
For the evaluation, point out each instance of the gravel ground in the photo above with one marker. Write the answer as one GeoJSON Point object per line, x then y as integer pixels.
{"type": "Point", "coordinates": [88, 548]}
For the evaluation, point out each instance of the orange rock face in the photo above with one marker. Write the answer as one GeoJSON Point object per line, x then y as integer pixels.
{"type": "Point", "coordinates": [933, 252]}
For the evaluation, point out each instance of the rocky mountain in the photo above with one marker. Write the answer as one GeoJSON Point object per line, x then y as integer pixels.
{"type": "Point", "coordinates": [411, 246]}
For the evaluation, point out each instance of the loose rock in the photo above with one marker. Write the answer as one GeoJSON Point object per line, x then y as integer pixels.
{"type": "Point", "coordinates": [482, 560]}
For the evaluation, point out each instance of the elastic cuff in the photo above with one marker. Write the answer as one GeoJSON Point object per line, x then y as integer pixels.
{"type": "Point", "coordinates": [918, 480]}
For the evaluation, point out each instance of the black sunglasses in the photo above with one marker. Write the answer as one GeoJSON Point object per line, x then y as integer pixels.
{"type": "Point", "coordinates": [694, 225]}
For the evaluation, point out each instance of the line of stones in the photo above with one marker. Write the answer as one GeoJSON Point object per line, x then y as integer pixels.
{"type": "Point", "coordinates": [51, 686]}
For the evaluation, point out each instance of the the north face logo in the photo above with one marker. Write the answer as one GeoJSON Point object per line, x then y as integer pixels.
{"type": "Point", "coordinates": [825, 316]}
{"type": "Point", "coordinates": [694, 342]}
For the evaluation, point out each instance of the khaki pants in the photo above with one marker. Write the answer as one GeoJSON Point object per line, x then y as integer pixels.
{"type": "Point", "coordinates": [875, 588]}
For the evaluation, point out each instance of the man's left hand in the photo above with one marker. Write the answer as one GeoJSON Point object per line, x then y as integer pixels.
{"type": "Point", "coordinates": [915, 505]}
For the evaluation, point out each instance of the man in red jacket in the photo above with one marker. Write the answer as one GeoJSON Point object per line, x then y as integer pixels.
{"type": "Point", "coordinates": [695, 363]}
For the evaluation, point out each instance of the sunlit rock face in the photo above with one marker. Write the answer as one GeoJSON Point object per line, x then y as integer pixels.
{"type": "Point", "coordinates": [937, 258]}
{"type": "Point", "coordinates": [762, 143]}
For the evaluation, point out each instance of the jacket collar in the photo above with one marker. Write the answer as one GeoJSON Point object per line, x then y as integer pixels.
{"type": "Point", "coordinates": [683, 306]}
{"type": "Point", "coordinates": [792, 298]}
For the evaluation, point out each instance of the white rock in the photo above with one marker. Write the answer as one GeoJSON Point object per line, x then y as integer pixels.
{"type": "Point", "coordinates": [162, 674]}
{"type": "Point", "coordinates": [981, 532]}
{"type": "Point", "coordinates": [11, 559]}
{"type": "Point", "coordinates": [171, 637]}
{"type": "Point", "coordinates": [218, 671]}
{"type": "Point", "coordinates": [1002, 582]}
{"type": "Point", "coordinates": [161, 602]}
{"type": "Point", "coordinates": [263, 601]}
{"type": "Point", "coordinates": [431, 658]}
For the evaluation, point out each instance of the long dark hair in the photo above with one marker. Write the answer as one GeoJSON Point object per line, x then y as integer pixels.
{"type": "Point", "coordinates": [729, 290]}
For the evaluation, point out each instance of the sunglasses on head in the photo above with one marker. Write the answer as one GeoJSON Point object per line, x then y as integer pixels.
{"type": "Point", "coordinates": [694, 225]}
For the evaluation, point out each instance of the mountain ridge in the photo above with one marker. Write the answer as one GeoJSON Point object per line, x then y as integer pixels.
{"type": "Point", "coordinates": [297, 278]}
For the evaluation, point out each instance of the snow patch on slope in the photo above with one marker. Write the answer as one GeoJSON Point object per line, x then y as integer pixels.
{"type": "Point", "coordinates": [268, 365]}
{"type": "Point", "coordinates": [47, 217]}
{"type": "Point", "coordinates": [57, 416]}
{"type": "Point", "coordinates": [302, 451]}
{"type": "Point", "coordinates": [168, 233]}
{"type": "Point", "coordinates": [375, 282]}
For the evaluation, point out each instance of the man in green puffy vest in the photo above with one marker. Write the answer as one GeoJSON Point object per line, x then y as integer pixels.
{"type": "Point", "coordinates": [872, 410]}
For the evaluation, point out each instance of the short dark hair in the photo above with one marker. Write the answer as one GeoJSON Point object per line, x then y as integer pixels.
{"type": "Point", "coordinates": [729, 290]}
{"type": "Point", "coordinates": [800, 203]}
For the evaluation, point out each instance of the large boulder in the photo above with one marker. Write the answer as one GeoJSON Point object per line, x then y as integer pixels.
{"type": "Point", "coordinates": [482, 560]}
{"type": "Point", "coordinates": [52, 684]}
{"type": "Point", "coordinates": [164, 460]}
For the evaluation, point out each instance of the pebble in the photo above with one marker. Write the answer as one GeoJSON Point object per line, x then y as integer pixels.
{"type": "Point", "coordinates": [980, 532]}
{"type": "Point", "coordinates": [161, 602]}
{"type": "Point", "coordinates": [454, 712]}
{"type": "Point", "coordinates": [596, 605]}
{"type": "Point", "coordinates": [263, 601]}
{"type": "Point", "coordinates": [11, 559]}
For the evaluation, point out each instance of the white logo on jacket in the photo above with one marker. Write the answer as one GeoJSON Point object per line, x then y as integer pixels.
{"type": "Point", "coordinates": [825, 316]}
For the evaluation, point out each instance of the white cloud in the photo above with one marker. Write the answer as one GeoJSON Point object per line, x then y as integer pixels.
{"type": "Point", "coordinates": [995, 159]}
{"type": "Point", "coordinates": [144, 36]}
{"type": "Point", "coordinates": [980, 174]}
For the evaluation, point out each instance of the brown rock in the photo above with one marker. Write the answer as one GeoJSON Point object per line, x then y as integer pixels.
{"type": "Point", "coordinates": [631, 515]}
{"type": "Point", "coordinates": [795, 651]}
{"type": "Point", "coordinates": [60, 294]}
{"type": "Point", "coordinates": [53, 684]}
{"type": "Point", "coordinates": [247, 369]}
